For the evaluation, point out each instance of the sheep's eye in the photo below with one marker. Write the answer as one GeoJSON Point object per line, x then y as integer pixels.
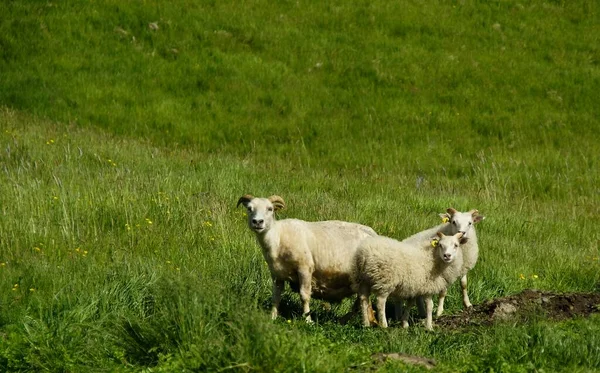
{"type": "Point", "coordinates": [455, 245]}
{"type": "Point", "coordinates": [470, 223]}
{"type": "Point", "coordinates": [454, 222]}
{"type": "Point", "coordinates": [269, 208]}
{"type": "Point", "coordinates": [249, 209]}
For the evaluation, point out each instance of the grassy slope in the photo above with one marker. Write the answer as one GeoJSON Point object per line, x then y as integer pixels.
{"type": "Point", "coordinates": [340, 109]}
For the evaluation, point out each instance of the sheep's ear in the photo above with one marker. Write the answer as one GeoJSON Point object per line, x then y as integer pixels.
{"type": "Point", "coordinates": [451, 211]}
{"type": "Point", "coordinates": [244, 200]}
{"type": "Point", "coordinates": [478, 218]}
{"type": "Point", "coordinates": [460, 236]}
{"type": "Point", "coordinates": [440, 234]}
{"type": "Point", "coordinates": [277, 202]}
{"type": "Point", "coordinates": [445, 217]}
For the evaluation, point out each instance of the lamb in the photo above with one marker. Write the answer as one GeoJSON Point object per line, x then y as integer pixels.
{"type": "Point", "coordinates": [314, 257]}
{"type": "Point", "coordinates": [455, 222]}
{"type": "Point", "coordinates": [387, 267]}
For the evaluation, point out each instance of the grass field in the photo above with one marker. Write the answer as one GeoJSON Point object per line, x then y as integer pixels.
{"type": "Point", "coordinates": [129, 129]}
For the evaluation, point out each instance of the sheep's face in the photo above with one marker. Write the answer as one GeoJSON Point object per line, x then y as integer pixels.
{"type": "Point", "coordinates": [447, 246]}
{"type": "Point", "coordinates": [260, 214]}
{"type": "Point", "coordinates": [261, 211]}
{"type": "Point", "coordinates": [462, 222]}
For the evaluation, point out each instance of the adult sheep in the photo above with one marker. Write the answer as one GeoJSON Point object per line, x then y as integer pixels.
{"type": "Point", "coordinates": [314, 257]}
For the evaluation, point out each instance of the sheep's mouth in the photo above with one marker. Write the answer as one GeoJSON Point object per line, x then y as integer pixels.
{"type": "Point", "coordinates": [448, 260]}
{"type": "Point", "coordinates": [258, 229]}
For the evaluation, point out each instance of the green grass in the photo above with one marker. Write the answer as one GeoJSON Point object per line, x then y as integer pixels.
{"type": "Point", "coordinates": [123, 151]}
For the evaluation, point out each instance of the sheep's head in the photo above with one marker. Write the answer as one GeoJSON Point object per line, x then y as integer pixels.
{"type": "Point", "coordinates": [462, 221]}
{"type": "Point", "coordinates": [447, 246]}
{"type": "Point", "coordinates": [261, 211]}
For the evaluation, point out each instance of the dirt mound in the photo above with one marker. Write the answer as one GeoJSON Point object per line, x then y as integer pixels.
{"type": "Point", "coordinates": [524, 306]}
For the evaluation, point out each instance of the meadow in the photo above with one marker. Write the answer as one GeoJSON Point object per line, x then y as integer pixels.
{"type": "Point", "coordinates": [130, 129]}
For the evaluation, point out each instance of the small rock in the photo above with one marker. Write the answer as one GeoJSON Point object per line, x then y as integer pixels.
{"type": "Point", "coordinates": [153, 26]}
{"type": "Point", "coordinates": [504, 311]}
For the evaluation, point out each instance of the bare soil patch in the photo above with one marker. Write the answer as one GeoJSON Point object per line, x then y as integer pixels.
{"type": "Point", "coordinates": [521, 307]}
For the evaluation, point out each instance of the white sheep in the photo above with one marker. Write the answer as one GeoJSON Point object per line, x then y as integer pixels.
{"type": "Point", "coordinates": [314, 257]}
{"type": "Point", "coordinates": [387, 267]}
{"type": "Point", "coordinates": [455, 222]}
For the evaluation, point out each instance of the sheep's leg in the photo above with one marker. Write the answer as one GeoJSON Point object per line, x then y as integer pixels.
{"type": "Point", "coordinates": [398, 308]}
{"type": "Point", "coordinates": [278, 286]}
{"type": "Point", "coordinates": [463, 285]}
{"type": "Point", "coordinates": [421, 307]}
{"type": "Point", "coordinates": [381, 299]}
{"type": "Point", "coordinates": [409, 304]}
{"type": "Point", "coordinates": [363, 297]}
{"type": "Point", "coordinates": [440, 308]}
{"type": "Point", "coordinates": [305, 278]}
{"type": "Point", "coordinates": [429, 307]}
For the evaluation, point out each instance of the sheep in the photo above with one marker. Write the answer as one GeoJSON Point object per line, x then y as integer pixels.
{"type": "Point", "coordinates": [453, 222]}
{"type": "Point", "coordinates": [387, 267]}
{"type": "Point", "coordinates": [314, 257]}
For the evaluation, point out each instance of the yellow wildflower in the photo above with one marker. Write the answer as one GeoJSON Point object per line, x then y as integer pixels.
{"type": "Point", "coordinates": [534, 277]}
{"type": "Point", "coordinates": [522, 276]}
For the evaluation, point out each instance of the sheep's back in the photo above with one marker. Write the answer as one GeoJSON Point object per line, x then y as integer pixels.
{"type": "Point", "coordinates": [426, 235]}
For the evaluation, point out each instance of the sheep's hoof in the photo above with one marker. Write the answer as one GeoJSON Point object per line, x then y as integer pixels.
{"type": "Point", "coordinates": [308, 318]}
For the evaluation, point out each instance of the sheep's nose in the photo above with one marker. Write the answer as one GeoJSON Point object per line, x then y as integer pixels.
{"type": "Point", "coordinates": [447, 256]}
{"type": "Point", "coordinates": [463, 232]}
{"type": "Point", "coordinates": [257, 221]}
